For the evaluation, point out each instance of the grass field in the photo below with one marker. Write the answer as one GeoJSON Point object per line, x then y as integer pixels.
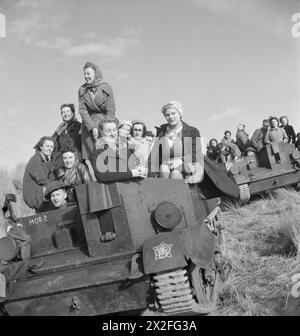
{"type": "Point", "coordinates": [261, 250]}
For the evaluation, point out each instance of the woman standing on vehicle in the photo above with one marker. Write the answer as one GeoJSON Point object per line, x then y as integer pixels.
{"type": "Point", "coordinates": [274, 135]}
{"type": "Point", "coordinates": [67, 133]}
{"type": "Point", "coordinates": [38, 174]}
{"type": "Point", "coordinates": [95, 100]}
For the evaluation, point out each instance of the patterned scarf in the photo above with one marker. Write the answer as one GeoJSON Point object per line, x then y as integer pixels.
{"type": "Point", "coordinates": [173, 133]}
{"type": "Point", "coordinates": [97, 81]}
{"type": "Point", "coordinates": [64, 126]}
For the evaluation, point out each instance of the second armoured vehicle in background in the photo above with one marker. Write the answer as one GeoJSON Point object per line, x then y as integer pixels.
{"type": "Point", "coordinates": [260, 172]}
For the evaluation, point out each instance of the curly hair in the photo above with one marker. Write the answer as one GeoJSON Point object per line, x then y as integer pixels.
{"type": "Point", "coordinates": [41, 142]}
{"type": "Point", "coordinates": [108, 119]}
{"type": "Point", "coordinates": [280, 119]}
{"type": "Point", "coordinates": [69, 148]}
{"type": "Point", "coordinates": [140, 122]}
{"type": "Point", "coordinates": [272, 118]}
{"type": "Point", "coordinates": [93, 66]}
{"type": "Point", "coordinates": [71, 106]}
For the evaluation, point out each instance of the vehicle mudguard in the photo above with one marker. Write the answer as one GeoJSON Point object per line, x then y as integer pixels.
{"type": "Point", "coordinates": [199, 244]}
{"type": "Point", "coordinates": [163, 252]}
{"type": "Point", "coordinates": [216, 182]}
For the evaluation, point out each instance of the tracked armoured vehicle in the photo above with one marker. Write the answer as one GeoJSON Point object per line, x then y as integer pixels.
{"type": "Point", "coordinates": [136, 245]}
{"type": "Point", "coordinates": [260, 172]}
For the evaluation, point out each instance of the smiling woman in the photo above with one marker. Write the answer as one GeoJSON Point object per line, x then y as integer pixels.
{"type": "Point", "coordinates": [95, 100]}
{"type": "Point", "coordinates": [38, 174]}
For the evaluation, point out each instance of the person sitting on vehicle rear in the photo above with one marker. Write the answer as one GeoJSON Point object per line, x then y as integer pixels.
{"type": "Point", "coordinates": [229, 152]}
{"type": "Point", "coordinates": [138, 143]}
{"type": "Point", "coordinates": [38, 173]}
{"type": "Point", "coordinates": [297, 142]}
{"type": "Point", "coordinates": [213, 150]}
{"type": "Point", "coordinates": [67, 134]}
{"type": "Point", "coordinates": [274, 135]}
{"type": "Point", "coordinates": [227, 138]}
{"type": "Point", "coordinates": [177, 147]}
{"type": "Point", "coordinates": [242, 138]}
{"type": "Point", "coordinates": [149, 136]}
{"type": "Point", "coordinates": [73, 172]}
{"type": "Point", "coordinates": [112, 160]}
{"type": "Point", "coordinates": [125, 129]}
{"type": "Point", "coordinates": [288, 129]}
{"type": "Point", "coordinates": [257, 139]}
{"type": "Point", "coordinates": [56, 192]}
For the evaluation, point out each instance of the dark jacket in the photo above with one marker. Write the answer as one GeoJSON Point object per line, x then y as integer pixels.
{"type": "Point", "coordinates": [213, 153]}
{"type": "Point", "coordinates": [110, 165]}
{"type": "Point", "coordinates": [70, 137]}
{"type": "Point", "coordinates": [257, 139]}
{"type": "Point", "coordinates": [78, 174]}
{"type": "Point", "coordinates": [92, 111]}
{"type": "Point", "coordinates": [289, 130]}
{"type": "Point", "coordinates": [242, 140]}
{"type": "Point", "coordinates": [190, 150]}
{"type": "Point", "coordinates": [38, 173]}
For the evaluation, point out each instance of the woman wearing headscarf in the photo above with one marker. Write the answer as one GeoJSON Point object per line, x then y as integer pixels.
{"type": "Point", "coordinates": [95, 99]}
{"type": "Point", "coordinates": [213, 150]}
{"type": "Point", "coordinates": [67, 133]}
{"type": "Point", "coordinates": [184, 145]}
{"type": "Point", "coordinates": [38, 173]}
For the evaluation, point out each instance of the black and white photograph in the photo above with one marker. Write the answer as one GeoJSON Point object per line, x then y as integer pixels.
{"type": "Point", "coordinates": [149, 161]}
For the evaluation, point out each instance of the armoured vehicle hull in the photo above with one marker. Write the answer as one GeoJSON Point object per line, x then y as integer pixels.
{"type": "Point", "coordinates": [124, 246]}
{"type": "Point", "coordinates": [260, 172]}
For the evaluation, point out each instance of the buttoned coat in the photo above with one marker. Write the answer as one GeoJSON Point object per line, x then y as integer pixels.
{"type": "Point", "coordinates": [92, 108]}
{"type": "Point", "coordinates": [38, 173]}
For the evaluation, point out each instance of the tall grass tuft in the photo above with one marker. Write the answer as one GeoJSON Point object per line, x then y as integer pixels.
{"type": "Point", "coordinates": [261, 247]}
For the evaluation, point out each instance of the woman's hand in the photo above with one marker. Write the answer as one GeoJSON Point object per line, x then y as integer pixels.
{"type": "Point", "coordinates": [139, 172]}
{"type": "Point", "coordinates": [95, 133]}
{"type": "Point", "coordinates": [175, 163]}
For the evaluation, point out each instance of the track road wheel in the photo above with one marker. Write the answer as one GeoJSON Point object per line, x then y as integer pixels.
{"type": "Point", "coordinates": [244, 194]}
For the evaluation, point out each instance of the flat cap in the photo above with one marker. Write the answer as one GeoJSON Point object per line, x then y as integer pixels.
{"type": "Point", "coordinates": [53, 186]}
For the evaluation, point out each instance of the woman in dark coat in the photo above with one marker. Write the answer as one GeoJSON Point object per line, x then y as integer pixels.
{"type": "Point", "coordinates": [112, 161]}
{"type": "Point", "coordinates": [67, 134]}
{"type": "Point", "coordinates": [38, 174]}
{"type": "Point", "coordinates": [289, 130]}
{"type": "Point", "coordinates": [177, 146]}
{"type": "Point", "coordinates": [73, 172]}
{"type": "Point", "coordinates": [213, 150]}
{"type": "Point", "coordinates": [95, 99]}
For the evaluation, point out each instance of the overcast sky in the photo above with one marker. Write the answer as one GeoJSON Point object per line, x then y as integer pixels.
{"type": "Point", "coordinates": [226, 61]}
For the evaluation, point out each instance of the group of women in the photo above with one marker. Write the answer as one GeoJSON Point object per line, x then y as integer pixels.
{"type": "Point", "coordinates": [272, 131]}
{"type": "Point", "coordinates": [104, 149]}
